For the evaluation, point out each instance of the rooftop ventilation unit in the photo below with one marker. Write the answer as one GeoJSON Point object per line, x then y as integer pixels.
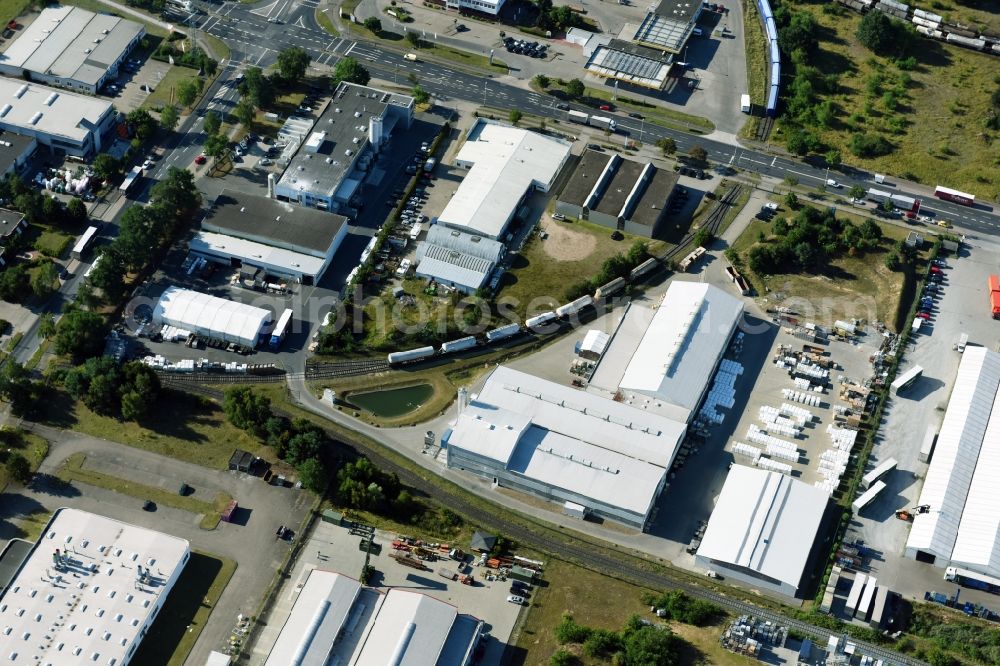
{"type": "Point", "coordinates": [35, 118]}
{"type": "Point", "coordinates": [5, 110]}
{"type": "Point", "coordinates": [51, 98]}
{"type": "Point", "coordinates": [20, 91]}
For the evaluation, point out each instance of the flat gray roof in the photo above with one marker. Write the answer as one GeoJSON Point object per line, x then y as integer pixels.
{"type": "Point", "coordinates": [329, 149]}
{"type": "Point", "coordinates": [273, 222]}
{"type": "Point", "coordinates": [650, 204]}
{"type": "Point", "coordinates": [12, 146]}
{"type": "Point", "coordinates": [620, 187]}
{"type": "Point", "coordinates": [633, 63]}
{"type": "Point", "coordinates": [670, 25]}
{"type": "Point", "coordinates": [72, 43]}
{"type": "Point", "coordinates": [589, 169]}
{"type": "Point", "coordinates": [13, 555]}
{"type": "Point", "coordinates": [9, 221]}
{"type": "Point", "coordinates": [679, 10]}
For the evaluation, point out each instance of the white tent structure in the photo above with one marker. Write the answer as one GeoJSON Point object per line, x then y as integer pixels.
{"type": "Point", "coordinates": [211, 317]}
{"type": "Point", "coordinates": [962, 525]}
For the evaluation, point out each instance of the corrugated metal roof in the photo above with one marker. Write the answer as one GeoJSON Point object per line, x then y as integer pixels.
{"type": "Point", "coordinates": [949, 478]}
{"type": "Point", "coordinates": [679, 344]}
{"type": "Point", "coordinates": [410, 630]}
{"type": "Point", "coordinates": [766, 522]}
{"type": "Point", "coordinates": [506, 161]}
{"type": "Point", "coordinates": [320, 612]}
{"type": "Point", "coordinates": [977, 545]}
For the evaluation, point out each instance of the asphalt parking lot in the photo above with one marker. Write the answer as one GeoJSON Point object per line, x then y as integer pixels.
{"type": "Point", "coordinates": [960, 307]}
{"type": "Point", "coordinates": [250, 542]}
{"type": "Point", "coordinates": [334, 548]}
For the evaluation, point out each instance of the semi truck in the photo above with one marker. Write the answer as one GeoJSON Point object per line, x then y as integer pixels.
{"type": "Point", "coordinates": [899, 201]}
{"type": "Point", "coordinates": [280, 330]}
{"type": "Point", "coordinates": [955, 196]}
{"type": "Point", "coordinates": [976, 581]}
{"type": "Point", "coordinates": [582, 118]}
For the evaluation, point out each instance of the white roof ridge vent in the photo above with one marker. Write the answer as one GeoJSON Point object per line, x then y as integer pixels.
{"type": "Point", "coordinates": [51, 98]}
{"type": "Point", "coordinates": [243, 209]}
{"type": "Point", "coordinates": [35, 118]}
{"type": "Point", "coordinates": [357, 114]}
{"type": "Point", "coordinates": [20, 91]}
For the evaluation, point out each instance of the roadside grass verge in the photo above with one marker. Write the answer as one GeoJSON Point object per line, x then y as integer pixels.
{"type": "Point", "coordinates": [461, 57]}
{"type": "Point", "coordinates": [326, 22]}
{"type": "Point", "coordinates": [186, 611]}
{"type": "Point", "coordinates": [651, 112]}
{"type": "Point", "coordinates": [219, 50]}
{"type": "Point", "coordinates": [27, 444]}
{"type": "Point", "coordinates": [102, 8]}
{"type": "Point", "coordinates": [186, 427]}
{"type": "Point", "coordinates": [73, 469]}
{"type": "Point", "coordinates": [348, 6]}
{"type": "Point", "coordinates": [756, 55]}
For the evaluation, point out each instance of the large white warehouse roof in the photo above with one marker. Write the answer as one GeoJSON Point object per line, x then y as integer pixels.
{"type": "Point", "coordinates": [35, 109]}
{"type": "Point", "coordinates": [664, 358]}
{"type": "Point", "coordinates": [210, 316]}
{"type": "Point", "coordinates": [764, 522]}
{"type": "Point", "coordinates": [505, 162]}
{"type": "Point", "coordinates": [963, 524]}
{"type": "Point", "coordinates": [569, 439]}
{"type": "Point", "coordinates": [337, 620]}
{"type": "Point", "coordinates": [92, 607]}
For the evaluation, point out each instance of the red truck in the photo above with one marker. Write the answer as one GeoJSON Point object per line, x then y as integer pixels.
{"type": "Point", "coordinates": [994, 288]}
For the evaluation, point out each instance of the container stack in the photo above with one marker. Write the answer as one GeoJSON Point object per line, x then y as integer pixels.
{"type": "Point", "coordinates": [752, 452]}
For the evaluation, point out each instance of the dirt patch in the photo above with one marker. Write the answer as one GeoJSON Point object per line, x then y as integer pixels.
{"type": "Point", "coordinates": [565, 244]}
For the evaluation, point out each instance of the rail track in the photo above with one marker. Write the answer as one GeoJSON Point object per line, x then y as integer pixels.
{"type": "Point", "coordinates": [764, 128]}
{"type": "Point", "coordinates": [589, 554]}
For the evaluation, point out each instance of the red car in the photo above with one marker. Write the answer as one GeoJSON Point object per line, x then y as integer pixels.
{"type": "Point", "coordinates": [200, 160]}
{"type": "Point", "coordinates": [924, 315]}
{"type": "Point", "coordinates": [935, 269]}
{"type": "Point", "coordinates": [606, 107]}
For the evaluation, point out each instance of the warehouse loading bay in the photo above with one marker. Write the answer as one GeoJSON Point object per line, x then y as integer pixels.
{"type": "Point", "coordinates": [961, 306]}
{"type": "Point", "coordinates": [338, 548]}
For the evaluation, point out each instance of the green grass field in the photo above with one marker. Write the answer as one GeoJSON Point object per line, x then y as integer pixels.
{"type": "Point", "coordinates": [757, 70]}
{"type": "Point", "coordinates": [186, 611]}
{"type": "Point", "coordinates": [182, 426]}
{"type": "Point", "coordinates": [98, 6]}
{"type": "Point", "coordinates": [543, 269]}
{"type": "Point", "coordinates": [10, 9]}
{"type": "Point", "coordinates": [601, 602]}
{"type": "Point", "coordinates": [165, 91]}
{"type": "Point", "coordinates": [29, 445]}
{"type": "Point", "coordinates": [73, 469]}
{"type": "Point", "coordinates": [53, 243]}
{"type": "Point", "coordinates": [937, 128]}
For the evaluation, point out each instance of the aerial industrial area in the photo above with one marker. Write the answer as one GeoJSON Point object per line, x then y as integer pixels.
{"type": "Point", "coordinates": [499, 332]}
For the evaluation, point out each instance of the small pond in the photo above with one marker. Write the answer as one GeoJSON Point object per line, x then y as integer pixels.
{"type": "Point", "coordinates": [392, 402]}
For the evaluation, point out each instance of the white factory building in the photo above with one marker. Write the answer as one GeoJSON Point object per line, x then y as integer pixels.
{"type": "Point", "coordinates": [337, 620]}
{"type": "Point", "coordinates": [458, 259]}
{"type": "Point", "coordinates": [66, 122]}
{"type": "Point", "coordinates": [211, 317]}
{"type": "Point", "coordinates": [285, 241]}
{"type": "Point", "coordinates": [762, 529]}
{"type": "Point", "coordinates": [962, 526]}
{"type": "Point", "coordinates": [663, 358]}
{"type": "Point", "coordinates": [88, 591]}
{"type": "Point", "coordinates": [590, 454]}
{"type": "Point", "coordinates": [490, 7]}
{"type": "Point", "coordinates": [505, 165]}
{"type": "Point", "coordinates": [71, 48]}
{"type": "Point", "coordinates": [327, 162]}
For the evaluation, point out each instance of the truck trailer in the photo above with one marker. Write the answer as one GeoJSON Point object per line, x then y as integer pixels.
{"type": "Point", "coordinates": [971, 579]}
{"type": "Point", "coordinates": [993, 286]}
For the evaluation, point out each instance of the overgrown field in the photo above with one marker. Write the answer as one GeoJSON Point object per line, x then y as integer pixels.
{"type": "Point", "coordinates": [920, 113]}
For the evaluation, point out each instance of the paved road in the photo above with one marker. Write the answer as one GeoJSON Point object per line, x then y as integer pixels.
{"type": "Point", "coordinates": [246, 28]}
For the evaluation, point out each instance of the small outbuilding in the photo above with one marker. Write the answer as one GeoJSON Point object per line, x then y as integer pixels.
{"type": "Point", "coordinates": [483, 542]}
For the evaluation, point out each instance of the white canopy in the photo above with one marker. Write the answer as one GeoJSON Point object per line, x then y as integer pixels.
{"type": "Point", "coordinates": [211, 317]}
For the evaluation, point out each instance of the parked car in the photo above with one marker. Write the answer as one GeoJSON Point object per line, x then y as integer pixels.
{"type": "Point", "coordinates": [403, 268]}
{"type": "Point", "coordinates": [606, 107]}
{"type": "Point", "coordinates": [515, 599]}
{"type": "Point", "coordinates": [924, 315]}
{"type": "Point", "coordinates": [635, 115]}
{"type": "Point", "coordinates": [201, 159]}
